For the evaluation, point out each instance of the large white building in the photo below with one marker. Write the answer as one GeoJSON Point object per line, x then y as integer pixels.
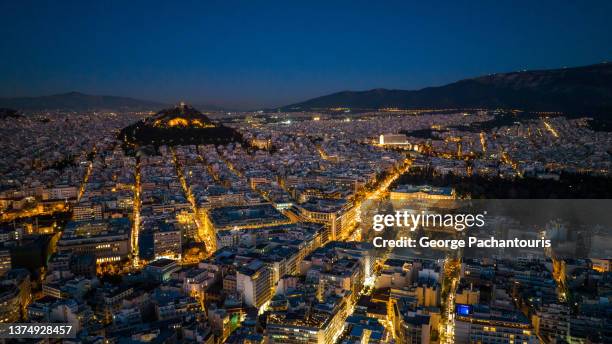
{"type": "Point", "coordinates": [254, 283]}
{"type": "Point", "coordinates": [393, 139]}
{"type": "Point", "coordinates": [64, 192]}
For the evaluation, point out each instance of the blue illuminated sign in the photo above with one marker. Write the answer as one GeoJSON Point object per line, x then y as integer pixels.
{"type": "Point", "coordinates": [464, 310]}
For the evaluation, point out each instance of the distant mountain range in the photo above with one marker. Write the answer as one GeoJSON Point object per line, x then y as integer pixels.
{"type": "Point", "coordinates": [77, 101]}
{"type": "Point", "coordinates": [578, 90]}
{"type": "Point", "coordinates": [6, 113]}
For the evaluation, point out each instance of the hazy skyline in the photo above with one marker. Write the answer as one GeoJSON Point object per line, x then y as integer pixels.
{"type": "Point", "coordinates": [247, 54]}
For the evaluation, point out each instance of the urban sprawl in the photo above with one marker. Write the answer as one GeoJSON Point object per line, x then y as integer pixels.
{"type": "Point", "coordinates": [262, 240]}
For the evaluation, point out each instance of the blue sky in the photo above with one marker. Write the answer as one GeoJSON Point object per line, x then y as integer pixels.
{"type": "Point", "coordinates": [246, 54]}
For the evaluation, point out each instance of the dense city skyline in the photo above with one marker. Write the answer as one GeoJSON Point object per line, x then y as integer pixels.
{"type": "Point", "coordinates": [260, 228]}
{"type": "Point", "coordinates": [473, 212]}
{"type": "Point", "coordinates": [242, 55]}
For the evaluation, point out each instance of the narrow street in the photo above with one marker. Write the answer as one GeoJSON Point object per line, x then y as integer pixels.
{"type": "Point", "coordinates": [450, 281]}
{"type": "Point", "coordinates": [136, 224]}
{"type": "Point", "coordinates": [84, 183]}
{"type": "Point", "coordinates": [204, 235]}
{"type": "Point", "coordinates": [551, 129]}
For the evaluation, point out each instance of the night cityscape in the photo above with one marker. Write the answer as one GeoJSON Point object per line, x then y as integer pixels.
{"type": "Point", "coordinates": [247, 204]}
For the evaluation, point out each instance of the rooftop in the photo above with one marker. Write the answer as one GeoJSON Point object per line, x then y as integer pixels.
{"type": "Point", "coordinates": [241, 216]}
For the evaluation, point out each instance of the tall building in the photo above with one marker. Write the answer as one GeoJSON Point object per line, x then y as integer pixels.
{"type": "Point", "coordinates": [254, 283]}
{"type": "Point", "coordinates": [160, 240]}
{"type": "Point", "coordinates": [167, 243]}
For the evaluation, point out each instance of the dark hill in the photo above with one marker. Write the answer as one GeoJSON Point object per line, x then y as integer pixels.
{"type": "Point", "coordinates": [580, 90]}
{"type": "Point", "coordinates": [180, 125]}
{"type": "Point", "coordinates": [6, 113]}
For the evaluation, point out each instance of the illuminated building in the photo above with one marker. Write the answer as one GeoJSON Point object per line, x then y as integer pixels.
{"type": "Point", "coordinates": [396, 274]}
{"type": "Point", "coordinates": [261, 143]}
{"type": "Point", "coordinates": [52, 290]}
{"type": "Point", "coordinates": [64, 192]}
{"type": "Point", "coordinates": [9, 235]}
{"type": "Point", "coordinates": [254, 283]}
{"type": "Point", "coordinates": [341, 266]}
{"type": "Point", "coordinates": [87, 211]}
{"type": "Point", "coordinates": [393, 139]}
{"type": "Point", "coordinates": [305, 237]}
{"type": "Point", "coordinates": [167, 243]}
{"type": "Point", "coordinates": [161, 269]}
{"type": "Point", "coordinates": [481, 324]}
{"type": "Point", "coordinates": [180, 208]}
{"type": "Point", "coordinates": [321, 323]}
{"type": "Point", "coordinates": [229, 284]}
{"type": "Point", "coordinates": [5, 261]}
{"type": "Point", "coordinates": [338, 215]}
{"type": "Point", "coordinates": [601, 265]}
{"type": "Point", "coordinates": [244, 217]}
{"type": "Point", "coordinates": [219, 320]}
{"type": "Point", "coordinates": [467, 296]}
{"type": "Point", "coordinates": [428, 294]}
{"type": "Point", "coordinates": [348, 183]}
{"type": "Point", "coordinates": [107, 240]}
{"type": "Point", "coordinates": [160, 240]}
{"type": "Point", "coordinates": [362, 329]}
{"type": "Point", "coordinates": [421, 192]}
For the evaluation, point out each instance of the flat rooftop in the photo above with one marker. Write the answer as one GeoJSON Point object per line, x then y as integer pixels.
{"type": "Point", "coordinates": [96, 228]}
{"type": "Point", "coordinates": [250, 215]}
{"type": "Point", "coordinates": [428, 189]}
